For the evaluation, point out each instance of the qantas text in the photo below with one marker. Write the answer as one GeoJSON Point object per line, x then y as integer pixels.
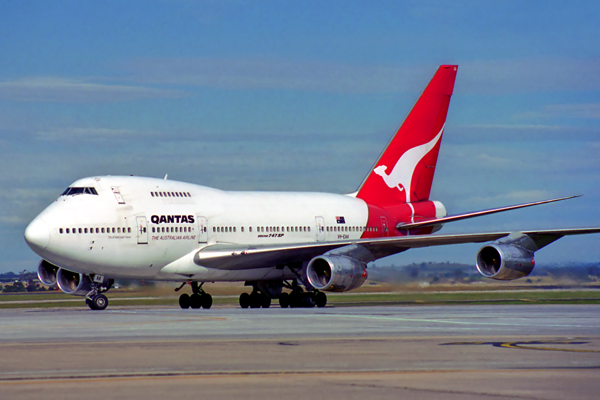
{"type": "Point", "coordinates": [172, 219]}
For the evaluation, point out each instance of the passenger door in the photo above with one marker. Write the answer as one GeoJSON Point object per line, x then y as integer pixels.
{"type": "Point", "coordinates": [320, 229]}
{"type": "Point", "coordinates": [142, 230]}
{"type": "Point", "coordinates": [202, 229]}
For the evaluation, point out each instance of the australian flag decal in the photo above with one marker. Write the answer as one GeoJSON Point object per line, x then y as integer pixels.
{"type": "Point", "coordinates": [340, 220]}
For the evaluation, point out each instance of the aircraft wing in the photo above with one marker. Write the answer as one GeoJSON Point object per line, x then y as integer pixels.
{"type": "Point", "coordinates": [234, 257]}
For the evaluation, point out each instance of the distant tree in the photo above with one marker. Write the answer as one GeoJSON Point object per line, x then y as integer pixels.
{"type": "Point", "coordinates": [14, 288]}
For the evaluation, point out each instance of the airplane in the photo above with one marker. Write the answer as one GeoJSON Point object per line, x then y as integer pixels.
{"type": "Point", "coordinates": [108, 227]}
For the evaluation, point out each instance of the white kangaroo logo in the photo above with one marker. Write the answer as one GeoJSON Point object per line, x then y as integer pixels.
{"type": "Point", "coordinates": [402, 174]}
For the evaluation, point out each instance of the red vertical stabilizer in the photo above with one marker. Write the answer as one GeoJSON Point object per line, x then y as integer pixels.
{"type": "Point", "coordinates": [404, 172]}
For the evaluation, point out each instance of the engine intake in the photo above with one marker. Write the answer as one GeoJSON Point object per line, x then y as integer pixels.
{"type": "Point", "coordinates": [47, 273]}
{"type": "Point", "coordinates": [504, 262]}
{"type": "Point", "coordinates": [73, 282]}
{"type": "Point", "coordinates": [336, 273]}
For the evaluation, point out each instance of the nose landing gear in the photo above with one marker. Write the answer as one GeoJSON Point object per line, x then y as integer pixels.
{"type": "Point", "coordinates": [198, 299]}
{"type": "Point", "coordinates": [95, 299]}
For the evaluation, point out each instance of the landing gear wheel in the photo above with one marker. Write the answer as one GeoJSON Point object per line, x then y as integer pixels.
{"type": "Point", "coordinates": [98, 302]}
{"type": "Point", "coordinates": [244, 300]}
{"type": "Point", "coordinates": [206, 300]}
{"type": "Point", "coordinates": [184, 301]}
{"type": "Point", "coordinates": [321, 299]}
{"type": "Point", "coordinates": [266, 301]}
{"type": "Point", "coordinates": [284, 300]}
{"type": "Point", "coordinates": [255, 300]}
{"type": "Point", "coordinates": [195, 301]}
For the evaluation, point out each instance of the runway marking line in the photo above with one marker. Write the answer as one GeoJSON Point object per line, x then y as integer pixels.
{"type": "Point", "coordinates": [241, 374]}
{"type": "Point", "coordinates": [529, 345]}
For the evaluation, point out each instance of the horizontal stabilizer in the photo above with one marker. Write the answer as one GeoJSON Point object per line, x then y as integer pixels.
{"type": "Point", "coordinates": [458, 217]}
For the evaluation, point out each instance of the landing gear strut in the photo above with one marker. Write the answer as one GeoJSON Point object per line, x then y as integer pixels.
{"type": "Point", "coordinates": [95, 299]}
{"type": "Point", "coordinates": [198, 299]}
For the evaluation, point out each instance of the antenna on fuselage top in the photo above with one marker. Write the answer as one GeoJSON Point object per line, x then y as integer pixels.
{"type": "Point", "coordinates": [166, 176]}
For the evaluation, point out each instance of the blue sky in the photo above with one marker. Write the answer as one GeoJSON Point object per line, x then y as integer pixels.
{"type": "Point", "coordinates": [286, 95]}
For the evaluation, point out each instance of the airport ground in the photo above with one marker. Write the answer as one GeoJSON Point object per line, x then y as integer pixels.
{"type": "Point", "coordinates": [495, 351]}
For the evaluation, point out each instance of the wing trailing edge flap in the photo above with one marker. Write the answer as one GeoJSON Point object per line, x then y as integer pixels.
{"type": "Point", "coordinates": [458, 217]}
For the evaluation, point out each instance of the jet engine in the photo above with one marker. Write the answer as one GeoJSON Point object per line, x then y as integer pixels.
{"type": "Point", "coordinates": [504, 262]}
{"type": "Point", "coordinates": [73, 282]}
{"type": "Point", "coordinates": [336, 273]}
{"type": "Point", "coordinates": [47, 273]}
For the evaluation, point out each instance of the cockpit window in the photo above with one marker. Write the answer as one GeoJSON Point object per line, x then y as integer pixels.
{"type": "Point", "coordinates": [72, 191]}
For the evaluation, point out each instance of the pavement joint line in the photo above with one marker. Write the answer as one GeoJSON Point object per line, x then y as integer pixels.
{"type": "Point", "coordinates": [458, 322]}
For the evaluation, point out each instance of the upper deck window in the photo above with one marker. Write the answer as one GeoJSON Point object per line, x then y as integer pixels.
{"type": "Point", "coordinates": [72, 191]}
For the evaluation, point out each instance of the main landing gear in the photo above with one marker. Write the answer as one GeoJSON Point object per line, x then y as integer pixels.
{"type": "Point", "coordinates": [198, 299]}
{"type": "Point", "coordinates": [297, 298]}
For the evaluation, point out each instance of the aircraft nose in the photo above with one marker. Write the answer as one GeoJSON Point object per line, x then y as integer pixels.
{"type": "Point", "coordinates": [37, 235]}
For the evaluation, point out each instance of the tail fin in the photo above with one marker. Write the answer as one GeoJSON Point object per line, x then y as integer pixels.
{"type": "Point", "coordinates": [404, 171]}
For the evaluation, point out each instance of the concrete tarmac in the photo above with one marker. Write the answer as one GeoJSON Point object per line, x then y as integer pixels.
{"type": "Point", "coordinates": [408, 352]}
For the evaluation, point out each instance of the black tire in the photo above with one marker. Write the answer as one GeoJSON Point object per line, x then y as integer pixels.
{"type": "Point", "coordinates": [265, 301]}
{"type": "Point", "coordinates": [195, 301]}
{"type": "Point", "coordinates": [321, 299]}
{"type": "Point", "coordinates": [284, 300]}
{"type": "Point", "coordinates": [244, 300]}
{"type": "Point", "coordinates": [294, 299]}
{"type": "Point", "coordinates": [255, 300]}
{"type": "Point", "coordinates": [184, 301]}
{"type": "Point", "coordinates": [99, 302]}
{"type": "Point", "coordinates": [308, 301]}
{"type": "Point", "coordinates": [206, 301]}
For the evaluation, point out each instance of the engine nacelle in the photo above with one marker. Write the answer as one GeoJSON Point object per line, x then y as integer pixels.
{"type": "Point", "coordinates": [336, 273]}
{"type": "Point", "coordinates": [47, 273]}
{"type": "Point", "coordinates": [504, 262]}
{"type": "Point", "coordinates": [73, 282]}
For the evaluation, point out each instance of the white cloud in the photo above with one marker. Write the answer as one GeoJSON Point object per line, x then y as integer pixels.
{"type": "Point", "coordinates": [88, 133]}
{"type": "Point", "coordinates": [496, 77]}
{"type": "Point", "coordinates": [55, 89]}
{"type": "Point", "coordinates": [475, 77]}
{"type": "Point", "coordinates": [585, 111]}
{"type": "Point", "coordinates": [273, 73]}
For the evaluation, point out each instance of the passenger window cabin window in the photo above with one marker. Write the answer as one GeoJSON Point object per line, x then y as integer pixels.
{"type": "Point", "coordinates": [250, 229]}
{"type": "Point", "coordinates": [80, 230]}
{"type": "Point", "coordinates": [60, 230]}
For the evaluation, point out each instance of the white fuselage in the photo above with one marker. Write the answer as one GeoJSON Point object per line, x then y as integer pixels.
{"type": "Point", "coordinates": [134, 227]}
